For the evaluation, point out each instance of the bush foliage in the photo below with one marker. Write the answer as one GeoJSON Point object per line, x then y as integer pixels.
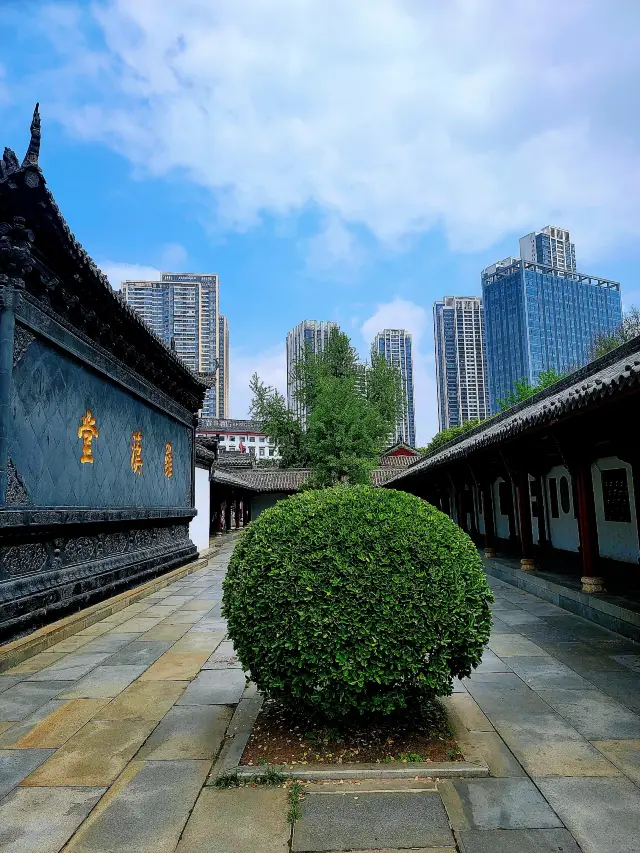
{"type": "Point", "coordinates": [356, 600]}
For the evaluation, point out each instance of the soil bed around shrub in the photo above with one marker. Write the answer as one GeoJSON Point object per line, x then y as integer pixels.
{"type": "Point", "coordinates": [281, 736]}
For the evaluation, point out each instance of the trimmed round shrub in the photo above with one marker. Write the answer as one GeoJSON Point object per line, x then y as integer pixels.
{"type": "Point", "coordinates": [355, 599]}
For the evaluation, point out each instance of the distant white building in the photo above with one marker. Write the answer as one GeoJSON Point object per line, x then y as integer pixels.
{"type": "Point", "coordinates": [245, 436]}
{"type": "Point", "coordinates": [461, 369]}
{"type": "Point", "coordinates": [395, 346]}
{"type": "Point", "coordinates": [310, 334]}
{"type": "Point", "coordinates": [550, 247]}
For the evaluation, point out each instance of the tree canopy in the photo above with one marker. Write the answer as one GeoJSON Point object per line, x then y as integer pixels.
{"type": "Point", "coordinates": [523, 389]}
{"type": "Point", "coordinates": [629, 328]}
{"type": "Point", "coordinates": [351, 410]}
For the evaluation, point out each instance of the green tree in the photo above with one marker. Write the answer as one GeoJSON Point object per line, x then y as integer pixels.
{"type": "Point", "coordinates": [351, 410]}
{"type": "Point", "coordinates": [629, 328]}
{"type": "Point", "coordinates": [269, 407]}
{"type": "Point", "coordinates": [523, 389]}
{"type": "Point", "coordinates": [448, 434]}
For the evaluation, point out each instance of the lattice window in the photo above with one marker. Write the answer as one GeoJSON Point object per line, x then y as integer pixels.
{"type": "Point", "coordinates": [615, 495]}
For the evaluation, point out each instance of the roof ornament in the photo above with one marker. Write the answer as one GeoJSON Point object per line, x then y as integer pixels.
{"type": "Point", "coordinates": [9, 164]}
{"type": "Point", "coordinates": [31, 157]}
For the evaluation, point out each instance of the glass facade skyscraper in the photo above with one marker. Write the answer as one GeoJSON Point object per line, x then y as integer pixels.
{"type": "Point", "coordinates": [184, 307]}
{"type": "Point", "coordinates": [539, 317]}
{"type": "Point", "coordinates": [461, 375]}
{"type": "Point", "coordinates": [395, 345]}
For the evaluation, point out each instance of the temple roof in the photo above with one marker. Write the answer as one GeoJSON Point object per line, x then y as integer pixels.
{"type": "Point", "coordinates": [65, 282]}
{"type": "Point", "coordinates": [602, 380]}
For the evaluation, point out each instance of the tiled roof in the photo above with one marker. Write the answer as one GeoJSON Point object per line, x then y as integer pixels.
{"type": "Point", "coordinates": [604, 378]}
{"type": "Point", "coordinates": [263, 480]}
{"type": "Point", "coordinates": [204, 455]}
{"type": "Point", "coordinates": [280, 479]}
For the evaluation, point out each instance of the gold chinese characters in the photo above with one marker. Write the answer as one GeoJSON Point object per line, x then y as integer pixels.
{"type": "Point", "coordinates": [136, 451]}
{"type": "Point", "coordinates": [168, 459]}
{"type": "Point", "coordinates": [87, 431]}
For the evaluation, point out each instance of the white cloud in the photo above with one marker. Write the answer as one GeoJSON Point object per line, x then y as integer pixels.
{"type": "Point", "coordinates": [269, 364]}
{"type": "Point", "coordinates": [402, 314]}
{"type": "Point", "coordinates": [118, 272]}
{"type": "Point", "coordinates": [173, 257]}
{"type": "Point", "coordinates": [334, 248]}
{"type": "Point", "coordinates": [480, 116]}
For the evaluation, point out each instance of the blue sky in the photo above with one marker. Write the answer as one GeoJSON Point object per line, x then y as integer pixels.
{"type": "Point", "coordinates": [348, 161]}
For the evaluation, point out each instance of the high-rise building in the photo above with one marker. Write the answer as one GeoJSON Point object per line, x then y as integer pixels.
{"type": "Point", "coordinates": [183, 308]}
{"type": "Point", "coordinates": [223, 367]}
{"type": "Point", "coordinates": [539, 317]}
{"type": "Point", "coordinates": [461, 370]}
{"type": "Point", "coordinates": [312, 335]}
{"type": "Point", "coordinates": [551, 247]}
{"type": "Point", "coordinates": [395, 346]}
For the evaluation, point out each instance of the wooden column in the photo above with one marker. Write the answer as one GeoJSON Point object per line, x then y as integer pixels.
{"type": "Point", "coordinates": [247, 510]}
{"type": "Point", "coordinates": [527, 562]}
{"type": "Point", "coordinates": [227, 519]}
{"type": "Point", "coordinates": [220, 519]}
{"type": "Point", "coordinates": [462, 516]}
{"type": "Point", "coordinates": [489, 521]}
{"type": "Point", "coordinates": [591, 579]}
{"type": "Point", "coordinates": [238, 511]}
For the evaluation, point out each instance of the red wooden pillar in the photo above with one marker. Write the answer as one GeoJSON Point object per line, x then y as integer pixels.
{"type": "Point", "coordinates": [543, 541]}
{"type": "Point", "coordinates": [227, 519]}
{"type": "Point", "coordinates": [489, 522]}
{"type": "Point", "coordinates": [527, 562]}
{"type": "Point", "coordinates": [472, 511]}
{"type": "Point", "coordinates": [588, 528]}
{"type": "Point", "coordinates": [238, 511]}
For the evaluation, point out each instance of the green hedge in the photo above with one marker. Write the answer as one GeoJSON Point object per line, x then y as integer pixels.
{"type": "Point", "coordinates": [355, 599]}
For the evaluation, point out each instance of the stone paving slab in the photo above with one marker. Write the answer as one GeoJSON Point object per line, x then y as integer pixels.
{"type": "Point", "coordinates": [594, 714]}
{"type": "Point", "coordinates": [145, 811]}
{"type": "Point", "coordinates": [215, 687]}
{"type": "Point", "coordinates": [489, 748]}
{"type": "Point", "coordinates": [238, 821]}
{"type": "Point", "coordinates": [191, 732]}
{"type": "Point", "coordinates": [17, 764]}
{"type": "Point", "coordinates": [41, 820]}
{"type": "Point", "coordinates": [508, 645]}
{"type": "Point", "coordinates": [371, 821]}
{"type": "Point", "coordinates": [516, 841]}
{"type": "Point", "coordinates": [625, 754]}
{"type": "Point", "coordinates": [175, 666]}
{"type": "Point", "coordinates": [7, 681]}
{"type": "Point", "coordinates": [139, 624]}
{"type": "Point", "coordinates": [34, 664]}
{"type": "Point", "coordinates": [95, 756]}
{"type": "Point", "coordinates": [104, 682]}
{"type": "Point", "coordinates": [541, 672]}
{"type": "Point", "coordinates": [199, 641]}
{"type": "Point", "coordinates": [622, 686]}
{"type": "Point", "coordinates": [165, 633]}
{"type": "Point", "coordinates": [496, 804]}
{"type": "Point", "coordinates": [70, 667]}
{"type": "Point", "coordinates": [631, 662]}
{"type": "Point", "coordinates": [138, 653]}
{"type": "Point", "coordinates": [465, 714]}
{"type": "Point", "coordinates": [24, 698]}
{"type": "Point", "coordinates": [143, 700]}
{"type": "Point", "coordinates": [603, 815]}
{"type": "Point", "coordinates": [111, 643]}
{"type": "Point", "coordinates": [51, 725]}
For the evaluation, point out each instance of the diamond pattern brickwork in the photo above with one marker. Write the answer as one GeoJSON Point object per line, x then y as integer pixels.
{"type": "Point", "coordinates": [50, 394]}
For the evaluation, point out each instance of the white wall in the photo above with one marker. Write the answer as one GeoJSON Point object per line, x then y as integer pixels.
{"type": "Point", "coordinates": [501, 521]}
{"type": "Point", "coordinates": [563, 531]}
{"type": "Point", "coordinates": [199, 526]}
{"type": "Point", "coordinates": [617, 539]}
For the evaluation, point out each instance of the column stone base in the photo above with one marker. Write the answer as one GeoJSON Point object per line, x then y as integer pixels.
{"type": "Point", "coordinates": [490, 553]}
{"type": "Point", "coordinates": [528, 564]}
{"type": "Point", "coordinates": [218, 533]}
{"type": "Point", "coordinates": [593, 585]}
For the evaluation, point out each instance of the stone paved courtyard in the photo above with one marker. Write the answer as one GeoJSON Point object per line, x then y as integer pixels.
{"type": "Point", "coordinates": [108, 738]}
